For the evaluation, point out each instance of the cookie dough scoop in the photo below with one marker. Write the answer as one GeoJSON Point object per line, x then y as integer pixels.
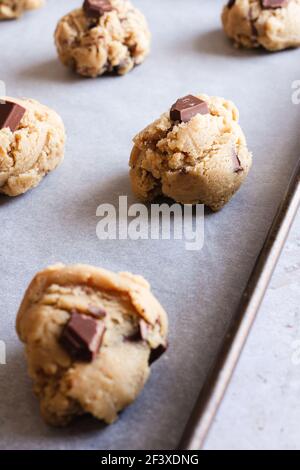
{"type": "Point", "coordinates": [272, 24]}
{"type": "Point", "coordinates": [104, 36]}
{"type": "Point", "coordinates": [32, 142]}
{"type": "Point", "coordinates": [12, 9]}
{"type": "Point", "coordinates": [195, 153]}
{"type": "Point", "coordinates": [90, 337]}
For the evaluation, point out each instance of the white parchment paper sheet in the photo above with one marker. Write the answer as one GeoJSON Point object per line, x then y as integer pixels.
{"type": "Point", "coordinates": [57, 221]}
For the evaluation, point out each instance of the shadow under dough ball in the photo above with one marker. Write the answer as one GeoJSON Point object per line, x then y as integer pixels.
{"type": "Point", "coordinates": [91, 336]}
{"type": "Point", "coordinates": [194, 153]}
{"type": "Point", "coordinates": [104, 36]}
{"type": "Point", "coordinates": [11, 9]}
{"type": "Point", "coordinates": [32, 143]}
{"type": "Point", "coordinates": [271, 24]}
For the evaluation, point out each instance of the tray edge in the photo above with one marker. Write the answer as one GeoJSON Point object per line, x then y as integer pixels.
{"type": "Point", "coordinates": [219, 377]}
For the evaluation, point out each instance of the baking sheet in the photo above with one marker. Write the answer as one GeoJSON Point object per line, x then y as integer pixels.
{"type": "Point", "coordinates": [57, 221]}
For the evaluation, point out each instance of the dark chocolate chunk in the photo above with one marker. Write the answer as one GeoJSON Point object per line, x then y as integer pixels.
{"type": "Point", "coordinates": [10, 115]}
{"type": "Point", "coordinates": [141, 334]}
{"type": "Point", "coordinates": [97, 312]}
{"type": "Point", "coordinates": [157, 353]}
{"type": "Point", "coordinates": [237, 162]}
{"type": "Point", "coordinates": [230, 3]}
{"type": "Point", "coordinates": [82, 337]}
{"type": "Point", "coordinates": [186, 108]}
{"type": "Point", "coordinates": [254, 31]}
{"type": "Point", "coordinates": [274, 3]}
{"type": "Point", "coordinates": [253, 18]}
{"type": "Point", "coordinates": [96, 8]}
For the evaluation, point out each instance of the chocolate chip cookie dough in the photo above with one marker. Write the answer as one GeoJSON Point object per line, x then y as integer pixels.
{"type": "Point", "coordinates": [194, 153]}
{"type": "Point", "coordinates": [272, 24]}
{"type": "Point", "coordinates": [10, 9]}
{"type": "Point", "coordinates": [32, 140]}
{"type": "Point", "coordinates": [90, 336]}
{"type": "Point", "coordinates": [103, 36]}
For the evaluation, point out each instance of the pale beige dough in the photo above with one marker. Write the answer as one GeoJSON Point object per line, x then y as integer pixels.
{"type": "Point", "coordinates": [33, 150]}
{"type": "Point", "coordinates": [115, 42]}
{"type": "Point", "coordinates": [250, 25]}
{"type": "Point", "coordinates": [10, 9]}
{"type": "Point", "coordinates": [193, 162]}
{"type": "Point", "coordinates": [111, 382]}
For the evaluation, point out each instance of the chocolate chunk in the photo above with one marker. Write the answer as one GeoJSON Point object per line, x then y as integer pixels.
{"type": "Point", "coordinates": [97, 312]}
{"type": "Point", "coordinates": [252, 19]}
{"type": "Point", "coordinates": [237, 162]}
{"type": "Point", "coordinates": [186, 108]}
{"type": "Point", "coordinates": [135, 337]}
{"type": "Point", "coordinates": [141, 334]}
{"type": "Point", "coordinates": [254, 31]}
{"type": "Point", "coordinates": [10, 115]}
{"type": "Point", "coordinates": [230, 3]}
{"type": "Point", "coordinates": [274, 3]}
{"type": "Point", "coordinates": [82, 337]}
{"type": "Point", "coordinates": [157, 353]}
{"type": "Point", "coordinates": [96, 8]}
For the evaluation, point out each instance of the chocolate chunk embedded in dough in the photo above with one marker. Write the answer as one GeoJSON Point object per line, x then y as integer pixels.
{"type": "Point", "coordinates": [237, 162]}
{"type": "Point", "coordinates": [82, 337]}
{"type": "Point", "coordinates": [157, 353]}
{"type": "Point", "coordinates": [274, 3]}
{"type": "Point", "coordinates": [10, 115]}
{"type": "Point", "coordinates": [141, 334]}
{"type": "Point", "coordinates": [97, 8]}
{"type": "Point", "coordinates": [97, 312]}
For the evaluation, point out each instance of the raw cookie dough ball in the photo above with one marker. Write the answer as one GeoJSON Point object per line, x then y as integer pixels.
{"type": "Point", "coordinates": [111, 37]}
{"type": "Point", "coordinates": [32, 140]}
{"type": "Point", "coordinates": [10, 9]}
{"type": "Point", "coordinates": [195, 153]}
{"type": "Point", "coordinates": [90, 338]}
{"type": "Point", "coordinates": [272, 24]}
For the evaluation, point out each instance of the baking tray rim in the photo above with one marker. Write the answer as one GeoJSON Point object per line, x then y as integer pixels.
{"type": "Point", "coordinates": [220, 375]}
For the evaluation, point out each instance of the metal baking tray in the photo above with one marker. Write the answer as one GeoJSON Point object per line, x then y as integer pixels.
{"type": "Point", "coordinates": [208, 295]}
{"type": "Point", "coordinates": [219, 377]}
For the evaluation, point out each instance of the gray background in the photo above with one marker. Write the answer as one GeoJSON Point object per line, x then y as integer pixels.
{"type": "Point", "coordinates": [57, 222]}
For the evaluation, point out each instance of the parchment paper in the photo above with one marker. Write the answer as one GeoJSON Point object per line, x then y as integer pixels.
{"type": "Point", "coordinates": [57, 221]}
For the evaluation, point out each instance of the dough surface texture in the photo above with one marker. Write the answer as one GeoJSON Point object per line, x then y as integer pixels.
{"type": "Point", "coordinates": [68, 388]}
{"type": "Point", "coordinates": [34, 149]}
{"type": "Point", "coordinates": [249, 24]}
{"type": "Point", "coordinates": [115, 42]}
{"type": "Point", "coordinates": [203, 161]}
{"type": "Point", "coordinates": [10, 9]}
